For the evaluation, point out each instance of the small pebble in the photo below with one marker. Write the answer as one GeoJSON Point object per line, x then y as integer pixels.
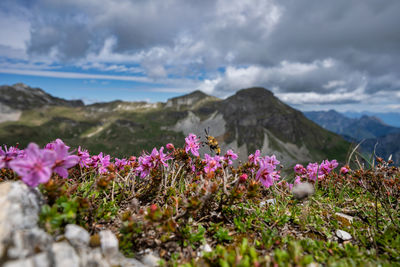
{"type": "Point", "coordinates": [343, 235]}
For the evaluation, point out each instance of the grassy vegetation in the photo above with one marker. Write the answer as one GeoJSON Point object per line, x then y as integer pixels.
{"type": "Point", "coordinates": [175, 212]}
{"type": "Point", "coordinates": [121, 133]}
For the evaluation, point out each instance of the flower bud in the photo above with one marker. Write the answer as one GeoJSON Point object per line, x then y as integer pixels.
{"type": "Point", "coordinates": [344, 170]}
{"type": "Point", "coordinates": [243, 178]}
{"type": "Point", "coordinates": [170, 146]}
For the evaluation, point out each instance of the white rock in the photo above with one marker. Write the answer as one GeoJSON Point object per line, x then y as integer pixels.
{"type": "Point", "coordinates": [92, 257]}
{"type": "Point", "coordinates": [18, 263]}
{"type": "Point", "coordinates": [109, 243]}
{"type": "Point", "coordinates": [19, 208]}
{"type": "Point", "coordinates": [40, 259]}
{"type": "Point", "coordinates": [120, 260]}
{"type": "Point", "coordinates": [204, 248]}
{"type": "Point", "coordinates": [345, 217]}
{"type": "Point", "coordinates": [343, 235]}
{"type": "Point", "coordinates": [25, 242]}
{"type": "Point", "coordinates": [302, 190]}
{"type": "Point", "coordinates": [271, 201]}
{"type": "Point", "coordinates": [77, 235]}
{"type": "Point", "coordinates": [151, 260]}
{"type": "Point", "coordinates": [64, 255]}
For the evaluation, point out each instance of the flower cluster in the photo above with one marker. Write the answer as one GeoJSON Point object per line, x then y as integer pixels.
{"type": "Point", "coordinates": [192, 143]}
{"type": "Point", "coordinates": [314, 171]}
{"type": "Point", "coordinates": [268, 174]}
{"type": "Point", "coordinates": [36, 165]}
{"type": "Point", "coordinates": [152, 161]}
{"type": "Point", "coordinates": [8, 154]}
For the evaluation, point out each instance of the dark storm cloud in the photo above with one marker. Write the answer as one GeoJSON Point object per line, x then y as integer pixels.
{"type": "Point", "coordinates": [345, 50]}
{"type": "Point", "coordinates": [364, 34]}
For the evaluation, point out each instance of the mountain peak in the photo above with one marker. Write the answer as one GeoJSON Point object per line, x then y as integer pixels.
{"type": "Point", "coordinates": [255, 92]}
{"type": "Point", "coordinates": [21, 97]}
{"type": "Point", "coordinates": [190, 101]}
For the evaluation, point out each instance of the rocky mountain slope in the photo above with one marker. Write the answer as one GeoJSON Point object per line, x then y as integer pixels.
{"type": "Point", "coordinates": [251, 119]}
{"type": "Point", "coordinates": [255, 119]}
{"type": "Point", "coordinates": [18, 97]}
{"type": "Point", "coordinates": [357, 129]}
{"type": "Point", "coordinates": [21, 97]}
{"type": "Point", "coordinates": [368, 128]}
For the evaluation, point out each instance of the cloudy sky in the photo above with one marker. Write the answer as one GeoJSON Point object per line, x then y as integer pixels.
{"type": "Point", "coordinates": [313, 54]}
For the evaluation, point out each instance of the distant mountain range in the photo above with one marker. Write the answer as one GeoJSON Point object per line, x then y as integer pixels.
{"type": "Point", "coordinates": [251, 119]}
{"type": "Point", "coordinates": [22, 97]}
{"type": "Point", "coordinates": [368, 129]}
{"type": "Point", "coordinates": [390, 118]}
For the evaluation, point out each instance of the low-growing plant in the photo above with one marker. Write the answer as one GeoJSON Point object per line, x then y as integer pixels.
{"type": "Point", "coordinates": [176, 203]}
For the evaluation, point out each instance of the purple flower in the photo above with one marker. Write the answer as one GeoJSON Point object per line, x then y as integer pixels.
{"type": "Point", "coordinates": [212, 163]}
{"type": "Point", "coordinates": [64, 160]}
{"type": "Point", "coordinates": [333, 164]}
{"type": "Point", "coordinates": [229, 156]}
{"type": "Point", "coordinates": [145, 165]}
{"type": "Point", "coordinates": [299, 169]}
{"type": "Point", "coordinates": [2, 158]}
{"type": "Point", "coordinates": [344, 170]}
{"type": "Point", "coordinates": [271, 160]}
{"type": "Point", "coordinates": [158, 157]}
{"type": "Point", "coordinates": [170, 146]}
{"type": "Point", "coordinates": [268, 161]}
{"type": "Point", "coordinates": [84, 158]}
{"type": "Point", "coordinates": [192, 144]}
{"type": "Point", "coordinates": [312, 169]}
{"type": "Point", "coordinates": [8, 154]}
{"type": "Point", "coordinates": [154, 160]}
{"type": "Point", "coordinates": [254, 158]}
{"type": "Point", "coordinates": [36, 166]}
{"type": "Point", "coordinates": [102, 162]}
{"type": "Point", "coordinates": [120, 163]}
{"type": "Point", "coordinates": [267, 173]}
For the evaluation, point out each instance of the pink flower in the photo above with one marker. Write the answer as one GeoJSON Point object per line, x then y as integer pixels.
{"type": "Point", "coordinates": [158, 157]}
{"type": "Point", "coordinates": [299, 169]}
{"type": "Point", "coordinates": [170, 146]}
{"type": "Point", "coordinates": [212, 163]}
{"type": "Point", "coordinates": [36, 166]}
{"type": "Point", "coordinates": [312, 169]}
{"type": "Point", "coordinates": [145, 166]}
{"type": "Point", "coordinates": [243, 178]}
{"type": "Point", "coordinates": [9, 154]}
{"type": "Point", "coordinates": [268, 161]}
{"type": "Point", "coordinates": [271, 160]}
{"type": "Point", "coordinates": [192, 144]}
{"type": "Point", "coordinates": [229, 156]}
{"type": "Point", "coordinates": [333, 164]}
{"type": "Point", "coordinates": [344, 170]}
{"type": "Point", "coordinates": [103, 162]}
{"type": "Point", "coordinates": [84, 158]}
{"type": "Point", "coordinates": [120, 163]}
{"type": "Point", "coordinates": [154, 160]}
{"type": "Point", "coordinates": [267, 174]}
{"type": "Point", "coordinates": [254, 158]}
{"type": "Point", "coordinates": [64, 160]}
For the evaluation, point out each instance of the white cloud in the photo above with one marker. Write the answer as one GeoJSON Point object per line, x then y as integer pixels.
{"type": "Point", "coordinates": [319, 51]}
{"type": "Point", "coordinates": [74, 75]}
{"type": "Point", "coordinates": [14, 31]}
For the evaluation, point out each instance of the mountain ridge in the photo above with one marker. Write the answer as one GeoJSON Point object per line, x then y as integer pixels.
{"type": "Point", "coordinates": [251, 119]}
{"type": "Point", "coordinates": [366, 130]}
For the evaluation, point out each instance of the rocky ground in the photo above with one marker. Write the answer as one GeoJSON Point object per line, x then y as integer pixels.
{"type": "Point", "coordinates": [24, 243]}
